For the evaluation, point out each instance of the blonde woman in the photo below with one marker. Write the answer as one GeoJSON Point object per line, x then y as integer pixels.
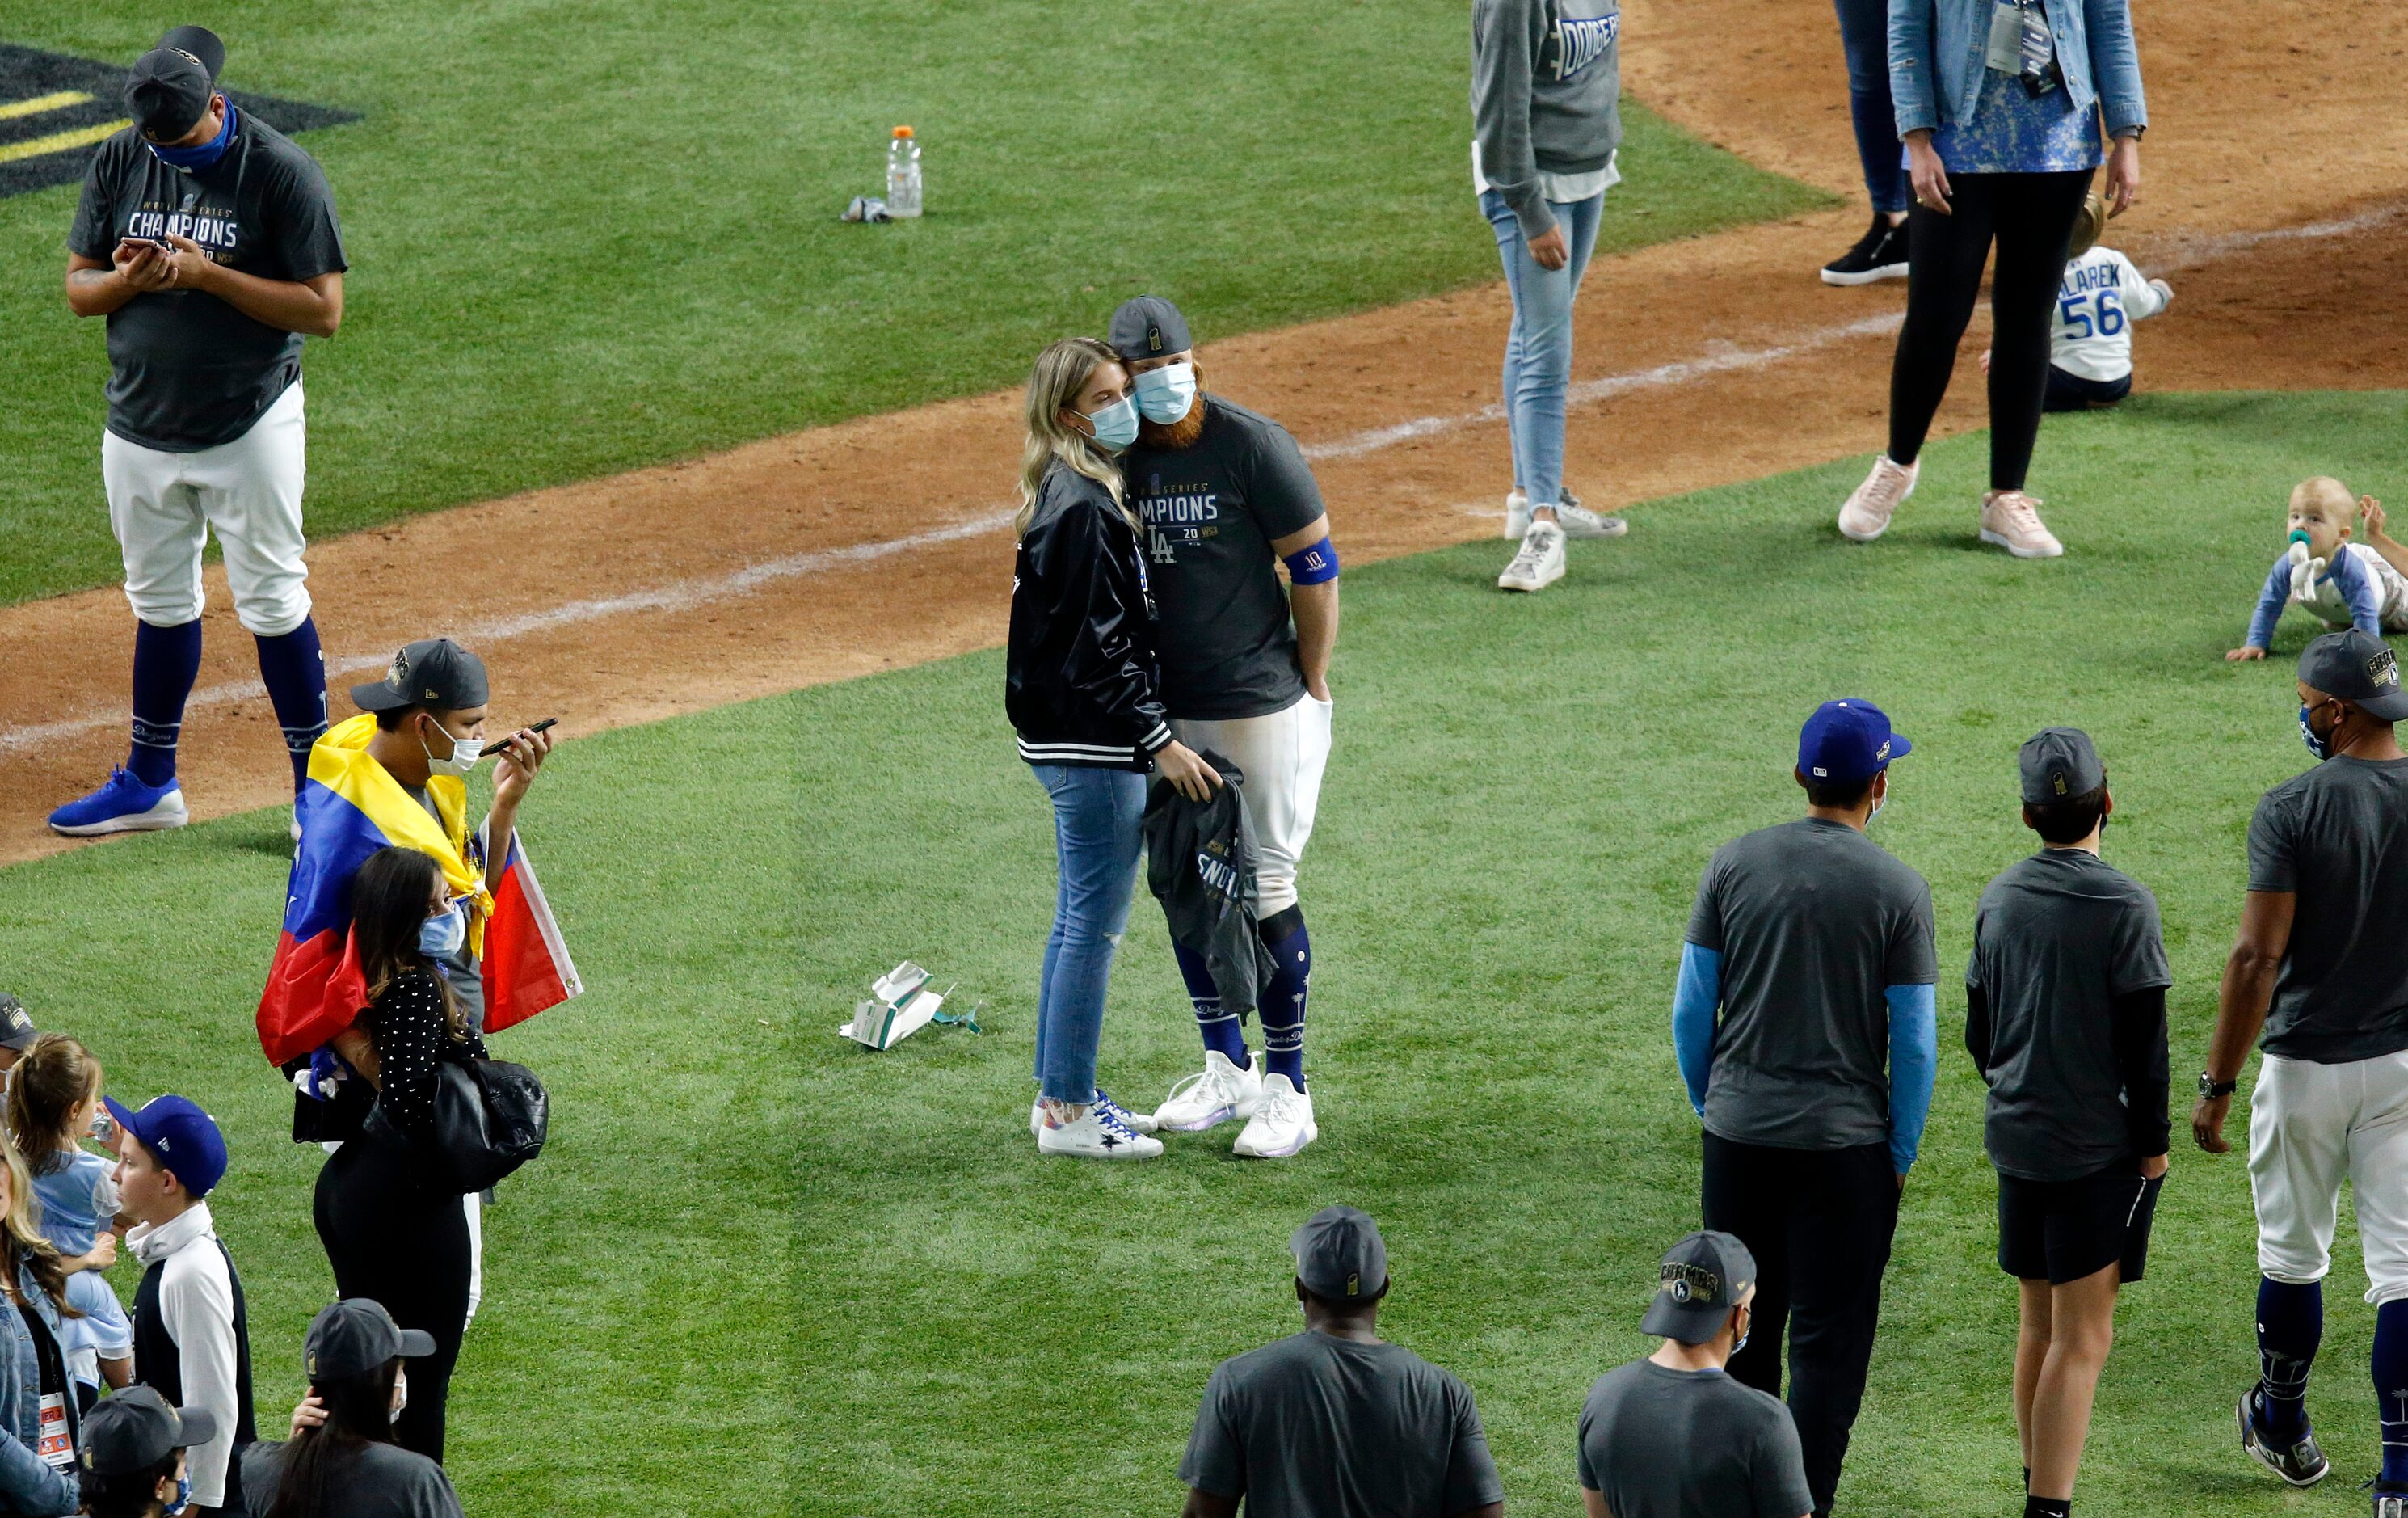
{"type": "Point", "coordinates": [34, 1478]}
{"type": "Point", "coordinates": [1083, 692]}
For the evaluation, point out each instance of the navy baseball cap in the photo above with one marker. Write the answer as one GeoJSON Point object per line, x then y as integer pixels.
{"type": "Point", "coordinates": [168, 90]}
{"type": "Point", "coordinates": [2059, 764]}
{"type": "Point", "coordinates": [432, 672]}
{"type": "Point", "coordinates": [1148, 327]}
{"type": "Point", "coordinates": [17, 1030]}
{"type": "Point", "coordinates": [1340, 1255]}
{"type": "Point", "coordinates": [2357, 668]}
{"type": "Point", "coordinates": [1698, 1283]}
{"type": "Point", "coordinates": [184, 1139]}
{"type": "Point", "coordinates": [135, 1430]}
{"type": "Point", "coordinates": [354, 1336]}
{"type": "Point", "coordinates": [1847, 741]}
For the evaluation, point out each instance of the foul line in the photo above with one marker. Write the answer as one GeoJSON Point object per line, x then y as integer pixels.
{"type": "Point", "coordinates": [2175, 253]}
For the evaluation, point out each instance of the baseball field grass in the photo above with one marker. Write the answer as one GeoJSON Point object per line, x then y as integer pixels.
{"type": "Point", "coordinates": [585, 238]}
{"type": "Point", "coordinates": [1523, 794]}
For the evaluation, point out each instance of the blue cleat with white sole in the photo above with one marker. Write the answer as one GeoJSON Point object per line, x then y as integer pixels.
{"type": "Point", "coordinates": [124, 804]}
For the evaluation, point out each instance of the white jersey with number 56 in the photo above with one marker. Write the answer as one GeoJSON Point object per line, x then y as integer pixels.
{"type": "Point", "coordinates": [2102, 295]}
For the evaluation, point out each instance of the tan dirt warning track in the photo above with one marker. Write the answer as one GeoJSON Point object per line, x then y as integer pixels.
{"type": "Point", "coordinates": [1705, 362]}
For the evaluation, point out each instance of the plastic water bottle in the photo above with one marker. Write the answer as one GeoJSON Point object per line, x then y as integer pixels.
{"type": "Point", "coordinates": [903, 174]}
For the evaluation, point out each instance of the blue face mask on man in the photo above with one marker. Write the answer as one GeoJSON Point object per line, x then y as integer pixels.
{"type": "Point", "coordinates": [2320, 746]}
{"type": "Point", "coordinates": [1165, 394]}
{"type": "Point", "coordinates": [1116, 426]}
{"type": "Point", "coordinates": [443, 934]}
{"type": "Point", "coordinates": [183, 1495]}
{"type": "Point", "coordinates": [204, 156]}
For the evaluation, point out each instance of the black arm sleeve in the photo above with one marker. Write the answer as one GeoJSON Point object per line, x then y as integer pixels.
{"type": "Point", "coordinates": [409, 1030]}
{"type": "Point", "coordinates": [1977, 1029]}
{"type": "Point", "coordinates": [2140, 1059]}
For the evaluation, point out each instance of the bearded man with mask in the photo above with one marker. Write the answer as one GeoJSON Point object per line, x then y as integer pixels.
{"type": "Point", "coordinates": [2321, 965]}
{"type": "Point", "coordinates": [1227, 497]}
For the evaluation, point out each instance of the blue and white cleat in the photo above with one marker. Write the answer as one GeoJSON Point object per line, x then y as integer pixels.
{"type": "Point", "coordinates": [124, 804]}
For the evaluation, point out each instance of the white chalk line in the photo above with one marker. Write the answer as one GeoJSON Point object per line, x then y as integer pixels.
{"type": "Point", "coordinates": [2173, 253]}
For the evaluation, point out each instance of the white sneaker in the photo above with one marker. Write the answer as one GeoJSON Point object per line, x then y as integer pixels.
{"type": "Point", "coordinates": [1282, 1125]}
{"type": "Point", "coordinates": [2010, 520]}
{"type": "Point", "coordinates": [1222, 1090]}
{"type": "Point", "coordinates": [1865, 515]}
{"type": "Point", "coordinates": [1578, 521]}
{"type": "Point", "coordinates": [1517, 514]}
{"type": "Point", "coordinates": [1097, 1135]}
{"type": "Point", "coordinates": [1540, 562]}
{"type": "Point", "coordinates": [1138, 1121]}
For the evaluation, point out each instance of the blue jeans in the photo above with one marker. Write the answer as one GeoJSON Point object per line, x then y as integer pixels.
{"type": "Point", "coordinates": [1098, 830]}
{"type": "Point", "coordinates": [1864, 31]}
{"type": "Point", "coordinates": [1539, 351]}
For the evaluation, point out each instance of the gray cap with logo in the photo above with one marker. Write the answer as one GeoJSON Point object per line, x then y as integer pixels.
{"type": "Point", "coordinates": [1340, 1255]}
{"type": "Point", "coordinates": [2059, 764]}
{"type": "Point", "coordinates": [1148, 327]}
{"type": "Point", "coordinates": [433, 672]}
{"type": "Point", "coordinates": [168, 90]}
{"type": "Point", "coordinates": [2358, 669]}
{"type": "Point", "coordinates": [356, 1335]}
{"type": "Point", "coordinates": [17, 1030]}
{"type": "Point", "coordinates": [1698, 1283]}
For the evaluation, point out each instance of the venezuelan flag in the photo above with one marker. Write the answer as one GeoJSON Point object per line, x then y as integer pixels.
{"type": "Point", "coordinates": [349, 808]}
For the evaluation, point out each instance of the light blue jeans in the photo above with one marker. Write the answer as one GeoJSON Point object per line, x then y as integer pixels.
{"type": "Point", "coordinates": [1098, 832]}
{"type": "Point", "coordinates": [1539, 351]}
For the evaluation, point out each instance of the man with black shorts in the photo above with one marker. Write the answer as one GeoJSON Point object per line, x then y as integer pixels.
{"type": "Point", "coordinates": [2065, 1017]}
{"type": "Point", "coordinates": [209, 243]}
{"type": "Point", "coordinates": [1813, 1082]}
{"type": "Point", "coordinates": [2321, 964]}
{"type": "Point", "coordinates": [1227, 497]}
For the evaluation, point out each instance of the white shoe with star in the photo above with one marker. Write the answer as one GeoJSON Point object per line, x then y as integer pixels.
{"type": "Point", "coordinates": [1097, 1134]}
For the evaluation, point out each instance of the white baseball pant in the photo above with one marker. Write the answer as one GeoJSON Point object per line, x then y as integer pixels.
{"type": "Point", "coordinates": [1282, 755]}
{"type": "Point", "coordinates": [162, 507]}
{"type": "Point", "coordinates": [2311, 1126]}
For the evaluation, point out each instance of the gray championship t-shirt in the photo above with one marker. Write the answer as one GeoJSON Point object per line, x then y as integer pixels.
{"type": "Point", "coordinates": [2338, 836]}
{"type": "Point", "coordinates": [2058, 937]}
{"type": "Point", "coordinates": [187, 372]}
{"type": "Point", "coordinates": [1212, 511]}
{"type": "Point", "coordinates": [1662, 1443]}
{"type": "Point", "coordinates": [381, 1480]}
{"type": "Point", "coordinates": [1814, 922]}
{"type": "Point", "coordinates": [1314, 1426]}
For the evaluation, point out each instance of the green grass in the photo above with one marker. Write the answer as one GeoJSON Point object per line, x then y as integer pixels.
{"type": "Point", "coordinates": [1524, 792]}
{"type": "Point", "coordinates": [588, 238]}
{"type": "Point", "coordinates": [626, 1358]}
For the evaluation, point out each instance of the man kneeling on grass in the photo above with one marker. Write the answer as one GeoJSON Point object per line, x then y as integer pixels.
{"type": "Point", "coordinates": [1335, 1420]}
{"type": "Point", "coordinates": [2065, 1017]}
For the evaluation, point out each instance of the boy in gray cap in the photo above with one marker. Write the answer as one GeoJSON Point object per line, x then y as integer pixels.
{"type": "Point", "coordinates": [2321, 965]}
{"type": "Point", "coordinates": [1674, 1436]}
{"type": "Point", "coordinates": [1335, 1419]}
{"type": "Point", "coordinates": [132, 1461]}
{"type": "Point", "coordinates": [2065, 1017]}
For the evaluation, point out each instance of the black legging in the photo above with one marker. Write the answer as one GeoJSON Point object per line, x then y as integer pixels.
{"type": "Point", "coordinates": [393, 1239]}
{"type": "Point", "coordinates": [2031, 217]}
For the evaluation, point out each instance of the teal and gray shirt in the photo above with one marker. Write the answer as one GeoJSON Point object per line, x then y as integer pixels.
{"type": "Point", "coordinates": [1546, 96]}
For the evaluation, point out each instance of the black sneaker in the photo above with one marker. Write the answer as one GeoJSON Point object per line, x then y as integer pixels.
{"type": "Point", "coordinates": [2301, 1464]}
{"type": "Point", "coordinates": [1879, 254]}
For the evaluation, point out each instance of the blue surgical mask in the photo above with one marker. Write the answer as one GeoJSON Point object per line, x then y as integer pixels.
{"type": "Point", "coordinates": [2321, 748]}
{"type": "Point", "coordinates": [204, 156]}
{"type": "Point", "coordinates": [1116, 426]}
{"type": "Point", "coordinates": [183, 1496]}
{"type": "Point", "coordinates": [443, 934]}
{"type": "Point", "coordinates": [1165, 394]}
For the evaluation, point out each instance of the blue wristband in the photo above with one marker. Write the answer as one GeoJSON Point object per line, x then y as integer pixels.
{"type": "Point", "coordinates": [1316, 564]}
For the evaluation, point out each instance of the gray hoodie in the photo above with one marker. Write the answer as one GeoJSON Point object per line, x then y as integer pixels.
{"type": "Point", "coordinates": [1546, 94]}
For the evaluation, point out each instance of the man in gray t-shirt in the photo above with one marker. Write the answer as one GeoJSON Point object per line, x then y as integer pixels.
{"type": "Point", "coordinates": [1675, 1436]}
{"type": "Point", "coordinates": [1335, 1420]}
{"type": "Point", "coordinates": [1804, 1026]}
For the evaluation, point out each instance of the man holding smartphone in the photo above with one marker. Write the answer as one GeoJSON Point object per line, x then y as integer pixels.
{"type": "Point", "coordinates": [209, 243]}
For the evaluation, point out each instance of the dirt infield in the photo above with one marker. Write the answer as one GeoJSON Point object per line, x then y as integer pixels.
{"type": "Point", "coordinates": [853, 548]}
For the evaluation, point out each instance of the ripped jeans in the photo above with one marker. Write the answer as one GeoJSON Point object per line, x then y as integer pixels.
{"type": "Point", "coordinates": [1098, 832]}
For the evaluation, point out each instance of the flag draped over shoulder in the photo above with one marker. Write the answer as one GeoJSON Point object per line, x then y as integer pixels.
{"type": "Point", "coordinates": [349, 808]}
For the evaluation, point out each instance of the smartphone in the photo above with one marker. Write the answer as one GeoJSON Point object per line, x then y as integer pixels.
{"type": "Point", "coordinates": [147, 243]}
{"type": "Point", "coordinates": [530, 728]}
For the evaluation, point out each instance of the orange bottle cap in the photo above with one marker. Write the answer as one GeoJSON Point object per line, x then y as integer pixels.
{"type": "Point", "coordinates": [902, 131]}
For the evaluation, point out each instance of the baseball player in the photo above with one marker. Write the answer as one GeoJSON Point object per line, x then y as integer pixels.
{"type": "Point", "coordinates": [2103, 294]}
{"type": "Point", "coordinates": [1226, 497]}
{"type": "Point", "coordinates": [2321, 964]}
{"type": "Point", "coordinates": [209, 243]}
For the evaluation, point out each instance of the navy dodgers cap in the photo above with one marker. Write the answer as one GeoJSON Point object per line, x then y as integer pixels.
{"type": "Point", "coordinates": [2059, 764]}
{"type": "Point", "coordinates": [1847, 741]}
{"type": "Point", "coordinates": [168, 90]}
{"type": "Point", "coordinates": [1698, 1283]}
{"type": "Point", "coordinates": [1148, 327]}
{"type": "Point", "coordinates": [1340, 1255]}
{"type": "Point", "coordinates": [135, 1430]}
{"type": "Point", "coordinates": [184, 1139]}
{"type": "Point", "coordinates": [432, 672]}
{"type": "Point", "coordinates": [2357, 668]}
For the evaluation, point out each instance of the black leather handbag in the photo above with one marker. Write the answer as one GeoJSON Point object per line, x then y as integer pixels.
{"type": "Point", "coordinates": [491, 1117]}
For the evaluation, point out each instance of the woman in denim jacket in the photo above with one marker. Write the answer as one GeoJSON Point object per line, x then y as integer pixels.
{"type": "Point", "coordinates": [29, 1356]}
{"type": "Point", "coordinates": [2002, 105]}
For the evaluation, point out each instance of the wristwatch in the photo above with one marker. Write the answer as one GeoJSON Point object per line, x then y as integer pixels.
{"type": "Point", "coordinates": [2210, 1088]}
